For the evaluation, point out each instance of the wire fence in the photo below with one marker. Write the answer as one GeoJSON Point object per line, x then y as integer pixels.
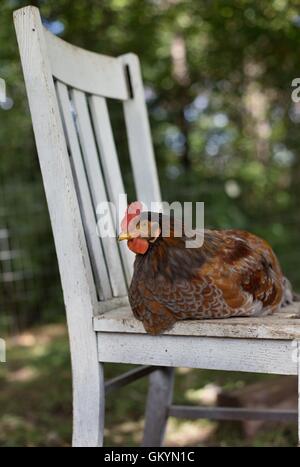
{"type": "Point", "coordinates": [29, 282]}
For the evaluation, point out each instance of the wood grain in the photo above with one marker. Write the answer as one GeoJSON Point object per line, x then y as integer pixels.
{"type": "Point", "coordinates": [84, 70]}
{"type": "Point", "coordinates": [75, 271]}
{"type": "Point", "coordinates": [281, 325]}
{"type": "Point", "coordinates": [214, 353]}
{"type": "Point", "coordinates": [98, 191]}
{"type": "Point", "coordinates": [88, 214]}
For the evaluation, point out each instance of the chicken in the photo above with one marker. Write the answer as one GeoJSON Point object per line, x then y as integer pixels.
{"type": "Point", "coordinates": [234, 273]}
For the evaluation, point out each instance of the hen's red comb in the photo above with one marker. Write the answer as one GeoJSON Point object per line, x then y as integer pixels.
{"type": "Point", "coordinates": [133, 210]}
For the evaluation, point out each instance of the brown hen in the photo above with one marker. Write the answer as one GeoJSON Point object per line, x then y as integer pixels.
{"type": "Point", "coordinates": [234, 273]}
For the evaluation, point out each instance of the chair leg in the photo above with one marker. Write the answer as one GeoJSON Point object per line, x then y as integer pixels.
{"type": "Point", "coordinates": [88, 407]}
{"type": "Point", "coordinates": [158, 401]}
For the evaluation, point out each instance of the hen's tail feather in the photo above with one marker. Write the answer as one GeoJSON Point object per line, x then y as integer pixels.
{"type": "Point", "coordinates": [296, 297]}
{"type": "Point", "coordinates": [289, 296]}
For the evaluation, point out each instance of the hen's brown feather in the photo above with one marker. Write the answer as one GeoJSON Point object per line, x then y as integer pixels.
{"type": "Point", "coordinates": [234, 273]}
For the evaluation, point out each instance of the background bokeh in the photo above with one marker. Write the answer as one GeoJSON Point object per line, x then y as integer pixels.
{"type": "Point", "coordinates": [218, 87]}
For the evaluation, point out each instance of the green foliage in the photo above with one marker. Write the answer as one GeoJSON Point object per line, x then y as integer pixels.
{"type": "Point", "coordinates": [35, 400]}
{"type": "Point", "coordinates": [218, 82]}
{"type": "Point", "coordinates": [218, 79]}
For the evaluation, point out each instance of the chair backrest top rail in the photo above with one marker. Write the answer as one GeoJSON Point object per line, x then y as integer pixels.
{"type": "Point", "coordinates": [86, 71]}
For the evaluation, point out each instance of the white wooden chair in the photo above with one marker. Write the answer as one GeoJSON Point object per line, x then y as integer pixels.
{"type": "Point", "coordinates": [67, 90]}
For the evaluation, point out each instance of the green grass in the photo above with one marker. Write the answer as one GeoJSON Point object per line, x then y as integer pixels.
{"type": "Point", "coordinates": [35, 400]}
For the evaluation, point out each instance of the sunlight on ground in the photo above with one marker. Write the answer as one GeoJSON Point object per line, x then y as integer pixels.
{"type": "Point", "coordinates": [185, 433]}
{"type": "Point", "coordinates": [40, 335]}
{"type": "Point", "coordinates": [131, 428]}
{"type": "Point", "coordinates": [208, 395]}
{"type": "Point", "coordinates": [184, 371]}
{"type": "Point", "coordinates": [36, 406]}
{"type": "Point", "coordinates": [22, 375]}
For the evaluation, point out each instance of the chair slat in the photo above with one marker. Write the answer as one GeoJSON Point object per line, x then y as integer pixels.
{"type": "Point", "coordinates": [139, 136]}
{"type": "Point", "coordinates": [110, 164]}
{"type": "Point", "coordinates": [87, 210]}
{"type": "Point", "coordinates": [97, 188]}
{"type": "Point", "coordinates": [88, 71]}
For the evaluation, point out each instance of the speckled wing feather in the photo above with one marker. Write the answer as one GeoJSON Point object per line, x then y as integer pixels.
{"type": "Point", "coordinates": [163, 305]}
{"type": "Point", "coordinates": [156, 317]}
{"type": "Point", "coordinates": [240, 276]}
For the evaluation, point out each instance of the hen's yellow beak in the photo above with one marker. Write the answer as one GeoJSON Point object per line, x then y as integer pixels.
{"type": "Point", "coordinates": [124, 236]}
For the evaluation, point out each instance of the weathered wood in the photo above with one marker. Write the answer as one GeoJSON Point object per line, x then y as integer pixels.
{"type": "Point", "coordinates": [139, 136]}
{"type": "Point", "coordinates": [87, 71]}
{"type": "Point", "coordinates": [249, 355]}
{"type": "Point", "coordinates": [157, 408]}
{"type": "Point", "coordinates": [86, 205]}
{"type": "Point", "coordinates": [73, 260]}
{"type": "Point", "coordinates": [281, 325]}
{"type": "Point", "coordinates": [111, 168]}
{"type": "Point", "coordinates": [128, 377]}
{"type": "Point", "coordinates": [106, 306]}
{"type": "Point", "coordinates": [97, 187]}
{"type": "Point", "coordinates": [99, 399]}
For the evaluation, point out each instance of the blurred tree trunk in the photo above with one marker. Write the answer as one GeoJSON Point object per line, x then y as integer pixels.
{"type": "Point", "coordinates": [184, 127]}
{"type": "Point", "coordinates": [181, 76]}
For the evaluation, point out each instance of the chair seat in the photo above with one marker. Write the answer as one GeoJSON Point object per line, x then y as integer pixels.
{"type": "Point", "coordinates": [284, 325]}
